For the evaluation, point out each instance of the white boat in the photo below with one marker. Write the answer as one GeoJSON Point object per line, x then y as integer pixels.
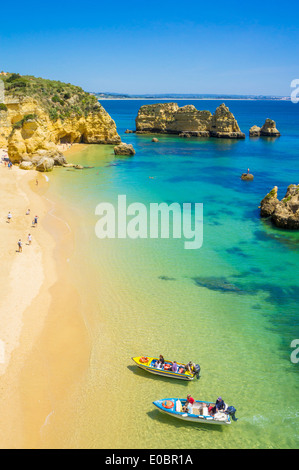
{"type": "Point", "coordinates": [199, 411]}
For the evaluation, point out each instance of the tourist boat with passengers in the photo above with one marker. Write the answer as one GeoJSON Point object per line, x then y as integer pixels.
{"type": "Point", "coordinates": [198, 412]}
{"type": "Point", "coordinates": [151, 364]}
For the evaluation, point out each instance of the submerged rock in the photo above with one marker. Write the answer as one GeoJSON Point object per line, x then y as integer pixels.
{"type": "Point", "coordinates": [217, 283]}
{"type": "Point", "coordinates": [124, 149]}
{"type": "Point", "coordinates": [284, 213]}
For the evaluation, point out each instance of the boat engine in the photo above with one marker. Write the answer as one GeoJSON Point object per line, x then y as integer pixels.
{"type": "Point", "coordinates": [231, 410]}
{"type": "Point", "coordinates": [197, 371]}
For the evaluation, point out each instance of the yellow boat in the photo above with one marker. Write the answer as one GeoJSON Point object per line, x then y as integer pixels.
{"type": "Point", "coordinates": [150, 365]}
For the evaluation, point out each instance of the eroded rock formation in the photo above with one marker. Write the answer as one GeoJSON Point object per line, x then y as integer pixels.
{"type": "Point", "coordinates": [27, 129]}
{"type": "Point", "coordinates": [267, 130]}
{"type": "Point", "coordinates": [124, 149]}
{"type": "Point", "coordinates": [169, 118]}
{"type": "Point", "coordinates": [284, 213]}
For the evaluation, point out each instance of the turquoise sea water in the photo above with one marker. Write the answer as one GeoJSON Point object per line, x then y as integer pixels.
{"type": "Point", "coordinates": [232, 305]}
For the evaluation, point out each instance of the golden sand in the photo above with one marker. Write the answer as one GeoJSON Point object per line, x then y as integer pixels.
{"type": "Point", "coordinates": [44, 344]}
{"type": "Point", "coordinates": [70, 149]}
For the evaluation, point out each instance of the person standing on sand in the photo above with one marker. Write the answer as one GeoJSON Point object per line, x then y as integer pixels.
{"type": "Point", "coordinates": [29, 239]}
{"type": "Point", "coordinates": [34, 222]}
{"type": "Point", "coordinates": [9, 216]}
{"type": "Point", "coordinates": [28, 212]}
{"type": "Point", "coordinates": [20, 246]}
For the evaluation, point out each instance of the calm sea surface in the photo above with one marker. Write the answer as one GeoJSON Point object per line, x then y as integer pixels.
{"type": "Point", "coordinates": [231, 306]}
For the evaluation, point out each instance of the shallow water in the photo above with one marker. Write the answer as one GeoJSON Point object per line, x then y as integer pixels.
{"type": "Point", "coordinates": [231, 305]}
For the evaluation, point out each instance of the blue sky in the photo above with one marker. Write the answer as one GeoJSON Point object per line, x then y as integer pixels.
{"type": "Point", "coordinates": [155, 47]}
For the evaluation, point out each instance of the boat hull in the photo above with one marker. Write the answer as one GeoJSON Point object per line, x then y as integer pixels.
{"type": "Point", "coordinates": [221, 420]}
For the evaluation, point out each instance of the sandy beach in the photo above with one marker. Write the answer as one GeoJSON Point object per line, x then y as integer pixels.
{"type": "Point", "coordinates": [44, 345]}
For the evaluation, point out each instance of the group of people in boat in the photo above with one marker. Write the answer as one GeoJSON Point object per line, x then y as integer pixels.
{"type": "Point", "coordinates": [173, 366]}
{"type": "Point", "coordinates": [220, 405]}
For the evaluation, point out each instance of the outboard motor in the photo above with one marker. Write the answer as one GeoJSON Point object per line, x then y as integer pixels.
{"type": "Point", "coordinates": [197, 370]}
{"type": "Point", "coordinates": [231, 410]}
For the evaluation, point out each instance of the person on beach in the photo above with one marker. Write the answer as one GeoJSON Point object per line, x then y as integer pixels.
{"type": "Point", "coordinates": [34, 222]}
{"type": "Point", "coordinates": [29, 239]}
{"type": "Point", "coordinates": [20, 246]}
{"type": "Point", "coordinates": [28, 212]}
{"type": "Point", "coordinates": [9, 216]}
{"type": "Point", "coordinates": [36, 182]}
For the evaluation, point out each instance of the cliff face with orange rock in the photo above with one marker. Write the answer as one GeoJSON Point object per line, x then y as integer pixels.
{"type": "Point", "coordinates": [31, 126]}
{"type": "Point", "coordinates": [169, 118]}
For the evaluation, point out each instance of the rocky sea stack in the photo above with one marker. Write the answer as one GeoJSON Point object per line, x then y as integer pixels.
{"type": "Point", "coordinates": [267, 130]}
{"type": "Point", "coordinates": [284, 213]}
{"type": "Point", "coordinates": [169, 118]}
{"type": "Point", "coordinates": [247, 177]}
{"type": "Point", "coordinates": [124, 149]}
{"type": "Point", "coordinates": [39, 114]}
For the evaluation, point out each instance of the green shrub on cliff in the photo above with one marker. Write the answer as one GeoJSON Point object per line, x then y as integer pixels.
{"type": "Point", "coordinates": [28, 117]}
{"type": "Point", "coordinates": [60, 100]}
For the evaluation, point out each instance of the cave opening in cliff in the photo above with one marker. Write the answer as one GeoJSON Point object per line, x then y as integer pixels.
{"type": "Point", "coordinates": [66, 139]}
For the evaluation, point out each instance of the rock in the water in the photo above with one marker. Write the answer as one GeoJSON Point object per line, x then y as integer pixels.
{"type": "Point", "coordinates": [247, 177]}
{"type": "Point", "coordinates": [187, 121]}
{"type": "Point", "coordinates": [224, 124]}
{"type": "Point", "coordinates": [284, 213]}
{"type": "Point", "coordinates": [155, 139]}
{"type": "Point", "coordinates": [26, 166]}
{"type": "Point", "coordinates": [255, 131]}
{"type": "Point", "coordinates": [124, 149]}
{"type": "Point", "coordinates": [128, 131]}
{"type": "Point", "coordinates": [269, 129]}
{"type": "Point", "coordinates": [45, 164]}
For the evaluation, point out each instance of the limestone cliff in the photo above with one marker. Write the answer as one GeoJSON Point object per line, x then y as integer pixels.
{"type": "Point", "coordinates": [284, 213]}
{"type": "Point", "coordinates": [27, 128]}
{"type": "Point", "coordinates": [31, 121]}
{"type": "Point", "coordinates": [169, 118]}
